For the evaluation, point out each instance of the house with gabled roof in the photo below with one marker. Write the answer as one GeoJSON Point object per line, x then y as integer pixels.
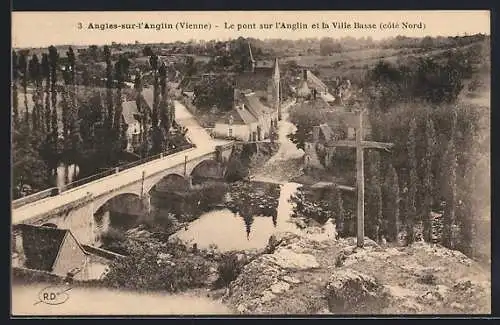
{"type": "Point", "coordinates": [51, 250]}
{"type": "Point", "coordinates": [48, 250]}
{"type": "Point", "coordinates": [249, 120]}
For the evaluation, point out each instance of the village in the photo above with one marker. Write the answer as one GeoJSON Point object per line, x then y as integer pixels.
{"type": "Point", "coordinates": [326, 159]}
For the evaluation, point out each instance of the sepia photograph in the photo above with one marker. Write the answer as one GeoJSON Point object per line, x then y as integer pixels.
{"type": "Point", "coordinates": [250, 163]}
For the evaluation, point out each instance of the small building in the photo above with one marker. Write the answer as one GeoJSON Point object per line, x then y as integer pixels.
{"type": "Point", "coordinates": [239, 123]}
{"type": "Point", "coordinates": [131, 118]}
{"type": "Point", "coordinates": [319, 147]}
{"type": "Point", "coordinates": [187, 85]}
{"type": "Point", "coordinates": [312, 87]}
{"type": "Point", "coordinates": [50, 250]}
{"type": "Point", "coordinates": [249, 120]}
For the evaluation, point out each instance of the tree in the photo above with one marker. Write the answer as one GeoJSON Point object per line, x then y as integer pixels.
{"type": "Point", "coordinates": [428, 177]}
{"type": "Point", "coordinates": [450, 173]}
{"type": "Point", "coordinates": [147, 51]}
{"type": "Point", "coordinates": [15, 75]}
{"type": "Point", "coordinates": [374, 198]}
{"type": "Point", "coordinates": [327, 46]}
{"type": "Point", "coordinates": [392, 199]}
{"type": "Point", "coordinates": [23, 66]}
{"type": "Point", "coordinates": [217, 92]}
{"type": "Point", "coordinates": [190, 66]}
{"type": "Point", "coordinates": [36, 76]}
{"type": "Point", "coordinates": [156, 136]}
{"type": "Point", "coordinates": [411, 212]}
{"type": "Point", "coordinates": [28, 169]}
{"type": "Point", "coordinates": [109, 88]}
{"type": "Point", "coordinates": [305, 117]}
{"type": "Point", "coordinates": [53, 64]}
{"type": "Point", "coordinates": [340, 219]}
{"type": "Point", "coordinates": [45, 68]}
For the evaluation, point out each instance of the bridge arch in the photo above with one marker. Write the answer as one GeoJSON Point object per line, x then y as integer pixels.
{"type": "Point", "coordinates": [121, 211]}
{"type": "Point", "coordinates": [207, 170]}
{"type": "Point", "coordinates": [49, 224]}
{"type": "Point", "coordinates": [171, 182]}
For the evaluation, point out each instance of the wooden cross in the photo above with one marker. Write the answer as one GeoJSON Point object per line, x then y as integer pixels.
{"type": "Point", "coordinates": [355, 120]}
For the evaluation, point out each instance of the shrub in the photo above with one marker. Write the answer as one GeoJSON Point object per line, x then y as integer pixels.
{"type": "Point", "coordinates": [229, 268]}
{"type": "Point", "coordinates": [148, 268]}
{"type": "Point", "coordinates": [114, 240]}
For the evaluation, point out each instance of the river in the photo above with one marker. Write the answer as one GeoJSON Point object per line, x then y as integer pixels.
{"type": "Point", "coordinates": [230, 230]}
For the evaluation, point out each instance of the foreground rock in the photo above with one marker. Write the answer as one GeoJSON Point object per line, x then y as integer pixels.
{"type": "Point", "coordinates": [298, 275]}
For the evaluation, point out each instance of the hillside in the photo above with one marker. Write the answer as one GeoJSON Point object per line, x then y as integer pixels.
{"type": "Point", "coordinates": [355, 63]}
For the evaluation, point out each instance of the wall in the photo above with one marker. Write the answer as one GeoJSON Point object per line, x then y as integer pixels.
{"type": "Point", "coordinates": [314, 160]}
{"type": "Point", "coordinates": [207, 169]}
{"type": "Point", "coordinates": [79, 215]}
{"type": "Point", "coordinates": [70, 256]}
{"type": "Point", "coordinates": [127, 204]}
{"type": "Point", "coordinates": [240, 132]}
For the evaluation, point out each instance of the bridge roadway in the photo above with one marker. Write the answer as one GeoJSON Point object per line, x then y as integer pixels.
{"type": "Point", "coordinates": [198, 136]}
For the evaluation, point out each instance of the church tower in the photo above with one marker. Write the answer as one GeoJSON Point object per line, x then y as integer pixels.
{"type": "Point", "coordinates": [252, 61]}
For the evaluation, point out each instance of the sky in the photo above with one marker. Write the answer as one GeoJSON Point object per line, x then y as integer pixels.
{"type": "Point", "coordinates": [41, 29]}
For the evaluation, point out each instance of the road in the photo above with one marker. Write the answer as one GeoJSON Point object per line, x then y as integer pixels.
{"type": "Point", "coordinates": [286, 163]}
{"type": "Point", "coordinates": [202, 140]}
{"type": "Point", "coordinates": [196, 133]}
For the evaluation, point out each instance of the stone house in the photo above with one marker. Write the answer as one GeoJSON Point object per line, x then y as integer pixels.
{"type": "Point", "coordinates": [249, 120]}
{"type": "Point", "coordinates": [131, 118]}
{"type": "Point", "coordinates": [319, 147]}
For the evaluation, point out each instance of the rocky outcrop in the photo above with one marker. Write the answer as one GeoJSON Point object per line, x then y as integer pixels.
{"type": "Point", "coordinates": [350, 291]}
{"type": "Point", "coordinates": [270, 275]}
{"type": "Point", "coordinates": [299, 275]}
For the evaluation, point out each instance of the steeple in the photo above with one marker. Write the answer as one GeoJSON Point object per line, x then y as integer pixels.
{"type": "Point", "coordinates": [276, 73]}
{"type": "Point", "coordinates": [277, 87]}
{"type": "Point", "coordinates": [252, 60]}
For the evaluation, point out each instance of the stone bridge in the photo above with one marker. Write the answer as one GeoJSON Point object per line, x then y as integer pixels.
{"type": "Point", "coordinates": [124, 192]}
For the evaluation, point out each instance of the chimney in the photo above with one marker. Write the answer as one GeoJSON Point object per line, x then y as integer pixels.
{"type": "Point", "coordinates": [304, 74]}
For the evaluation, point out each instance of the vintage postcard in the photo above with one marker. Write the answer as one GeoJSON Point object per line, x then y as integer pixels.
{"type": "Point", "coordinates": [265, 162]}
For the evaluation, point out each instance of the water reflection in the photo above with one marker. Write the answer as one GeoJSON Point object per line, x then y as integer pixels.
{"type": "Point", "coordinates": [66, 174]}
{"type": "Point", "coordinates": [254, 211]}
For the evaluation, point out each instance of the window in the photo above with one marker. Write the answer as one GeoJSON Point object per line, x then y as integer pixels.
{"type": "Point", "coordinates": [230, 132]}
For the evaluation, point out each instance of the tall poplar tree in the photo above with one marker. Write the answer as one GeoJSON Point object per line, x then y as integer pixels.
{"type": "Point", "coordinates": [411, 212]}
{"type": "Point", "coordinates": [428, 177]}
{"type": "Point", "coordinates": [450, 174]}
{"type": "Point", "coordinates": [393, 199]}
{"type": "Point", "coordinates": [15, 75]}
{"type": "Point", "coordinates": [45, 69]}
{"type": "Point", "coordinates": [374, 197]}
{"type": "Point", "coordinates": [23, 69]}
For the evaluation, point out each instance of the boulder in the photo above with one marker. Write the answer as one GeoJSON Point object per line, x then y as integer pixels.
{"type": "Point", "coordinates": [351, 291]}
{"type": "Point", "coordinates": [280, 287]}
{"type": "Point", "coordinates": [287, 259]}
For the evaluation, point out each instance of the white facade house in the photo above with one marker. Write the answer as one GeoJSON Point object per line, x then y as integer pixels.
{"type": "Point", "coordinates": [130, 116]}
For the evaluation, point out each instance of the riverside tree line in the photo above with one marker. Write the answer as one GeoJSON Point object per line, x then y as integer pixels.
{"type": "Point", "coordinates": [82, 126]}
{"type": "Point", "coordinates": [441, 150]}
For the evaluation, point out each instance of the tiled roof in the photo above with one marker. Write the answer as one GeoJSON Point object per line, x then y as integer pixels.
{"type": "Point", "coordinates": [253, 81]}
{"type": "Point", "coordinates": [239, 115]}
{"type": "Point", "coordinates": [255, 106]}
{"type": "Point", "coordinates": [312, 79]}
{"type": "Point", "coordinates": [129, 112]}
{"type": "Point", "coordinates": [188, 83]}
{"type": "Point", "coordinates": [41, 246]}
